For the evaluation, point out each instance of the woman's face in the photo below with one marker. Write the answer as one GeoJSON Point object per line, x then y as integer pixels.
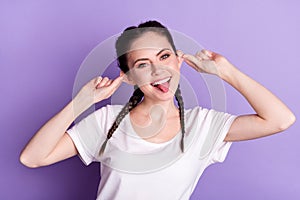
{"type": "Point", "coordinates": [154, 66]}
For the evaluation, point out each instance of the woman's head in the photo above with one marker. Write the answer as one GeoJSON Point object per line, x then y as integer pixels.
{"type": "Point", "coordinates": [132, 33]}
{"type": "Point", "coordinates": [147, 55]}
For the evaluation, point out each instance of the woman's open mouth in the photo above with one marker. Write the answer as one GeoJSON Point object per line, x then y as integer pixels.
{"type": "Point", "coordinates": [162, 85]}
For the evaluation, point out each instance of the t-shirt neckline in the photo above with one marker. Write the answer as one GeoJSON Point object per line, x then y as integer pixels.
{"type": "Point", "coordinates": [128, 120]}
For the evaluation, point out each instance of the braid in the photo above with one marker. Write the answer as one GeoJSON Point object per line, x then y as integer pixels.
{"type": "Point", "coordinates": [180, 103]}
{"type": "Point", "coordinates": [132, 103]}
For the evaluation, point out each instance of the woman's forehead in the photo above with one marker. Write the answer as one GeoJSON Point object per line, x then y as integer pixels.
{"type": "Point", "coordinates": [150, 41]}
{"type": "Point", "coordinates": [147, 51]}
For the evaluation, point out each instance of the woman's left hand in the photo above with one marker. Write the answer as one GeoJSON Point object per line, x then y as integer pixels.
{"type": "Point", "coordinates": [206, 61]}
{"type": "Point", "coordinates": [271, 115]}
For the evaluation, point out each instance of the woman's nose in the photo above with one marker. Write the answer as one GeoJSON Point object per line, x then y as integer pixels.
{"type": "Point", "coordinates": [155, 69]}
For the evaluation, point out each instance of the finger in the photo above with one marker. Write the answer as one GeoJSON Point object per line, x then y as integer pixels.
{"type": "Point", "coordinates": [194, 66]}
{"type": "Point", "coordinates": [117, 82]}
{"type": "Point", "coordinates": [201, 55]}
{"type": "Point", "coordinates": [190, 63]}
{"type": "Point", "coordinates": [97, 80]}
{"type": "Point", "coordinates": [213, 55]}
{"type": "Point", "coordinates": [207, 53]}
{"type": "Point", "coordinates": [180, 53]}
{"type": "Point", "coordinates": [108, 82]}
{"type": "Point", "coordinates": [192, 59]}
{"type": "Point", "coordinates": [193, 62]}
{"type": "Point", "coordinates": [103, 82]}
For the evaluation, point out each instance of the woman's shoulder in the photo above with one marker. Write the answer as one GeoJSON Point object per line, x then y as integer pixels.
{"type": "Point", "coordinates": [204, 112]}
{"type": "Point", "coordinates": [195, 110]}
{"type": "Point", "coordinates": [113, 107]}
{"type": "Point", "coordinates": [109, 109]}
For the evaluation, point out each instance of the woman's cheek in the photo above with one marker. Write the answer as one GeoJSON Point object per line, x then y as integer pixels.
{"type": "Point", "coordinates": [168, 62]}
{"type": "Point", "coordinates": [172, 63]}
{"type": "Point", "coordinates": [142, 78]}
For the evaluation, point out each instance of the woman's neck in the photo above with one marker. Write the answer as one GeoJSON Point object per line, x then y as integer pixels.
{"type": "Point", "coordinates": [148, 106]}
{"type": "Point", "coordinates": [150, 120]}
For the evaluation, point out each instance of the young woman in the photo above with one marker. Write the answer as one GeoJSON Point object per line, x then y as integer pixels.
{"type": "Point", "coordinates": [150, 148]}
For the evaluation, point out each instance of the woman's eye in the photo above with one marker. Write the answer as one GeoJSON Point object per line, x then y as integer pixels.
{"type": "Point", "coordinates": [142, 65]}
{"type": "Point", "coordinates": [165, 56]}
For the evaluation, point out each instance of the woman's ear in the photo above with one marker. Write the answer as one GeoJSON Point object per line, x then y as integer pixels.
{"type": "Point", "coordinates": [180, 57]}
{"type": "Point", "coordinates": [127, 78]}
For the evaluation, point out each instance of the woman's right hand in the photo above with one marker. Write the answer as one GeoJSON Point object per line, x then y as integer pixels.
{"type": "Point", "coordinates": [105, 87]}
{"type": "Point", "coordinates": [97, 90]}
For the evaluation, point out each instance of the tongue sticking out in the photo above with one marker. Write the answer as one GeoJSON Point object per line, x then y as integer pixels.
{"type": "Point", "coordinates": [164, 87]}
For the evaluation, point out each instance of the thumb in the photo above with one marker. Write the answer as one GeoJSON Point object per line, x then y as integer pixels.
{"type": "Point", "coordinates": [180, 53]}
{"type": "Point", "coordinates": [117, 82]}
{"type": "Point", "coordinates": [207, 52]}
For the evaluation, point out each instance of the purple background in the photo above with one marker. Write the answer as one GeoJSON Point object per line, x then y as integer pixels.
{"type": "Point", "coordinates": [43, 43]}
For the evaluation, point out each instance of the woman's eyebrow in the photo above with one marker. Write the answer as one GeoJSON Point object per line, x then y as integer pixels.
{"type": "Point", "coordinates": [162, 51]}
{"type": "Point", "coordinates": [143, 59]}
{"type": "Point", "coordinates": [140, 59]}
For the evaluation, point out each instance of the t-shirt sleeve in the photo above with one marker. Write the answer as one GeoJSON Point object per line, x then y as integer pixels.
{"type": "Point", "coordinates": [88, 134]}
{"type": "Point", "coordinates": [217, 126]}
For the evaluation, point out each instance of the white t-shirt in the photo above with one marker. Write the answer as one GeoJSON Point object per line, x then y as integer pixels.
{"type": "Point", "coordinates": [133, 168]}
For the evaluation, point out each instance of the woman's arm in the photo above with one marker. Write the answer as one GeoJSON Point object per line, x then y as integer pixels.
{"type": "Point", "coordinates": [51, 143]}
{"type": "Point", "coordinates": [272, 115]}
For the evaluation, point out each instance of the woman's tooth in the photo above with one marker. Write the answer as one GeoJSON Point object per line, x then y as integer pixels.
{"type": "Point", "coordinates": [161, 81]}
